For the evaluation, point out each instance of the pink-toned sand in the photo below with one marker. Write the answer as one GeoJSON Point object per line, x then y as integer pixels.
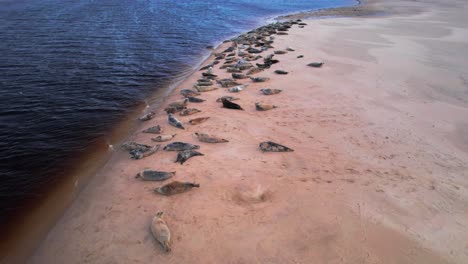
{"type": "Point", "coordinates": [379, 173]}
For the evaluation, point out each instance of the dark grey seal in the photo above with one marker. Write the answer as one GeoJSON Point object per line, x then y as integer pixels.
{"type": "Point", "coordinates": [281, 72]}
{"type": "Point", "coordinates": [315, 64]}
{"type": "Point", "coordinates": [180, 146]}
{"type": "Point", "coordinates": [174, 122]}
{"type": "Point", "coordinates": [183, 156]}
{"type": "Point", "coordinates": [269, 91]}
{"type": "Point", "coordinates": [230, 105]}
{"type": "Point", "coordinates": [188, 92]}
{"type": "Point", "coordinates": [195, 99]}
{"type": "Point", "coordinates": [139, 153]}
{"type": "Point", "coordinates": [153, 175]}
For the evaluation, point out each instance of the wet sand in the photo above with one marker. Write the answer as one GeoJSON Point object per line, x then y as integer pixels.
{"type": "Point", "coordinates": [379, 173]}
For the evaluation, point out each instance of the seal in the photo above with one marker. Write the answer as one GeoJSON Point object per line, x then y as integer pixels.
{"type": "Point", "coordinates": [239, 76]}
{"type": "Point", "coordinates": [163, 138]}
{"type": "Point", "coordinates": [210, 138]}
{"type": "Point", "coordinates": [253, 71]}
{"type": "Point", "coordinates": [237, 89]}
{"type": "Point", "coordinates": [188, 92]}
{"type": "Point", "coordinates": [203, 89]}
{"type": "Point", "coordinates": [199, 120]}
{"type": "Point", "coordinates": [233, 70]}
{"type": "Point", "coordinates": [269, 146]}
{"type": "Point", "coordinates": [281, 72]}
{"type": "Point", "coordinates": [290, 49]}
{"type": "Point", "coordinates": [189, 111]}
{"type": "Point", "coordinates": [173, 109]}
{"type": "Point", "coordinates": [153, 130]}
{"type": "Point", "coordinates": [315, 64]}
{"type": "Point", "coordinates": [139, 154]}
{"type": "Point", "coordinates": [176, 187]}
{"type": "Point", "coordinates": [183, 156]}
{"type": "Point", "coordinates": [206, 67]}
{"type": "Point", "coordinates": [147, 116]}
{"type": "Point", "coordinates": [174, 122]}
{"type": "Point", "coordinates": [205, 83]}
{"type": "Point", "coordinates": [264, 107]}
{"type": "Point", "coordinates": [280, 52]}
{"type": "Point", "coordinates": [259, 79]}
{"type": "Point", "coordinates": [228, 82]}
{"type": "Point", "coordinates": [230, 98]}
{"type": "Point", "coordinates": [161, 232]}
{"type": "Point", "coordinates": [269, 91]}
{"type": "Point", "coordinates": [195, 99]}
{"type": "Point", "coordinates": [153, 175]}
{"type": "Point", "coordinates": [230, 105]}
{"type": "Point", "coordinates": [180, 146]}
{"type": "Point", "coordinates": [300, 56]}
{"type": "Point", "coordinates": [131, 145]}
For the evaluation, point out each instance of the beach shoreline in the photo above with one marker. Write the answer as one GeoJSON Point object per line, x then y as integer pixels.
{"type": "Point", "coordinates": [117, 176]}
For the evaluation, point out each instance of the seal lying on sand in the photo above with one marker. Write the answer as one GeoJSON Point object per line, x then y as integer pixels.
{"type": "Point", "coordinates": [131, 145]}
{"type": "Point", "coordinates": [176, 106]}
{"type": "Point", "coordinates": [209, 138]}
{"type": "Point", "coordinates": [147, 116]}
{"type": "Point", "coordinates": [195, 99]}
{"type": "Point", "coordinates": [153, 130]}
{"type": "Point", "coordinates": [269, 146]}
{"type": "Point", "coordinates": [254, 70]}
{"type": "Point", "coordinates": [180, 146]}
{"type": "Point", "coordinates": [161, 232]}
{"type": "Point", "coordinates": [176, 187]}
{"type": "Point", "coordinates": [139, 154]}
{"type": "Point", "coordinates": [188, 92]}
{"type": "Point", "coordinates": [152, 175]}
{"type": "Point", "coordinates": [315, 64]}
{"type": "Point", "coordinates": [281, 72]}
{"type": "Point", "coordinates": [163, 138]}
{"type": "Point", "coordinates": [259, 79]}
{"type": "Point", "coordinates": [264, 107]}
{"type": "Point", "coordinates": [189, 111]}
{"type": "Point", "coordinates": [228, 82]}
{"type": "Point", "coordinates": [199, 120]}
{"type": "Point", "coordinates": [174, 122]}
{"type": "Point", "coordinates": [203, 89]}
{"type": "Point", "coordinates": [239, 76]}
{"type": "Point", "coordinates": [227, 97]}
{"type": "Point", "coordinates": [280, 52]}
{"type": "Point", "coordinates": [183, 156]}
{"type": "Point", "coordinates": [237, 88]}
{"type": "Point", "coordinates": [269, 91]}
{"type": "Point", "coordinates": [230, 105]}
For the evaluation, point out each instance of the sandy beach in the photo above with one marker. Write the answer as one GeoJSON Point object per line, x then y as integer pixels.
{"type": "Point", "coordinates": [379, 172]}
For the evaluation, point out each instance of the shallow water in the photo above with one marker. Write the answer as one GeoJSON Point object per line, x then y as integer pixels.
{"type": "Point", "coordinates": [70, 70]}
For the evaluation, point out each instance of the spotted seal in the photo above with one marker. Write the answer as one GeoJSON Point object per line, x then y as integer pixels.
{"type": "Point", "coordinates": [147, 116]}
{"type": "Point", "coordinates": [230, 98]}
{"type": "Point", "coordinates": [180, 146]}
{"type": "Point", "coordinates": [188, 92]}
{"type": "Point", "coordinates": [183, 156]}
{"type": "Point", "coordinates": [254, 71]}
{"type": "Point", "coordinates": [210, 138]}
{"type": "Point", "coordinates": [280, 52]}
{"type": "Point", "coordinates": [189, 111]}
{"type": "Point", "coordinates": [269, 91]}
{"type": "Point", "coordinates": [259, 79]}
{"type": "Point", "coordinates": [176, 187]}
{"type": "Point", "coordinates": [153, 130]}
{"type": "Point", "coordinates": [228, 82]}
{"type": "Point", "coordinates": [237, 89]}
{"type": "Point", "coordinates": [163, 138]}
{"type": "Point", "coordinates": [199, 120]}
{"type": "Point", "coordinates": [269, 146]}
{"type": "Point", "coordinates": [141, 153]}
{"type": "Point", "coordinates": [264, 107]}
{"type": "Point", "coordinates": [203, 89]}
{"type": "Point", "coordinates": [153, 175]}
{"type": "Point", "coordinates": [174, 122]}
{"type": "Point", "coordinates": [161, 232]}
{"type": "Point", "coordinates": [239, 76]}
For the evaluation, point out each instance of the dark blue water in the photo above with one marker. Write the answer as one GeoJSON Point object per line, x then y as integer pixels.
{"type": "Point", "coordinates": [71, 69]}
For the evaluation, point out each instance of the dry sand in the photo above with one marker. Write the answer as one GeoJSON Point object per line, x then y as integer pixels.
{"type": "Point", "coordinates": [379, 173]}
